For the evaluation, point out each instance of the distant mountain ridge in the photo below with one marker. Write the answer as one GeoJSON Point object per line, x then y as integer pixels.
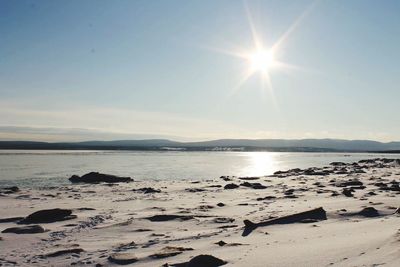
{"type": "Point", "coordinates": [323, 145]}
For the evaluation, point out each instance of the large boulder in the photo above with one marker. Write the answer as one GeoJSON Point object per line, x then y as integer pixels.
{"type": "Point", "coordinates": [231, 186]}
{"type": "Point", "coordinates": [369, 212]}
{"type": "Point", "coordinates": [48, 216]}
{"type": "Point", "coordinates": [205, 261]}
{"type": "Point", "coordinates": [30, 229]}
{"type": "Point", "coordinates": [96, 177]}
{"type": "Point", "coordinates": [123, 258]}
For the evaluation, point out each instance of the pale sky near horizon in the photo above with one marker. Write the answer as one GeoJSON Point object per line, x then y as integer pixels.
{"type": "Point", "coordinates": [81, 70]}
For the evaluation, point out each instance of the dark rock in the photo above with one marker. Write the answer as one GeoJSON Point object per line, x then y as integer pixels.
{"type": "Point", "coordinates": [220, 204]}
{"type": "Point", "coordinates": [309, 221]}
{"type": "Point", "coordinates": [249, 178]}
{"type": "Point", "coordinates": [392, 187]}
{"type": "Point", "coordinates": [335, 194]}
{"type": "Point", "coordinates": [337, 163]}
{"type": "Point", "coordinates": [143, 230]}
{"type": "Point", "coordinates": [123, 258]}
{"type": "Point", "coordinates": [147, 190]}
{"type": "Point", "coordinates": [369, 212]}
{"type": "Point", "coordinates": [64, 251]}
{"type": "Point", "coordinates": [367, 161]}
{"type": "Point", "coordinates": [48, 216]}
{"type": "Point", "coordinates": [31, 229]}
{"type": "Point", "coordinates": [223, 220]}
{"type": "Point", "coordinates": [12, 219]}
{"type": "Point", "coordinates": [359, 171]}
{"type": "Point", "coordinates": [231, 186]}
{"type": "Point", "coordinates": [266, 198]}
{"type": "Point", "coordinates": [215, 186]}
{"type": "Point", "coordinates": [366, 212]}
{"type": "Point", "coordinates": [388, 160]}
{"type": "Point", "coordinates": [169, 252]}
{"type": "Point", "coordinates": [313, 172]}
{"type": "Point", "coordinates": [164, 217]}
{"type": "Point", "coordinates": [194, 190]}
{"type": "Point", "coordinates": [226, 178]}
{"type": "Point", "coordinates": [293, 172]}
{"type": "Point", "coordinates": [253, 185]}
{"type": "Point", "coordinates": [288, 192]}
{"type": "Point", "coordinates": [349, 183]}
{"type": "Point", "coordinates": [227, 226]}
{"type": "Point", "coordinates": [348, 192]}
{"type": "Point", "coordinates": [81, 209]}
{"type": "Point", "coordinates": [221, 243]}
{"type": "Point", "coordinates": [205, 261]}
{"type": "Point", "coordinates": [360, 187]}
{"type": "Point", "coordinates": [96, 177]}
{"type": "Point", "coordinates": [9, 190]}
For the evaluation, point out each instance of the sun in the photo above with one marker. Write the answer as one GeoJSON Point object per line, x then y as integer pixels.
{"type": "Point", "coordinates": [261, 60]}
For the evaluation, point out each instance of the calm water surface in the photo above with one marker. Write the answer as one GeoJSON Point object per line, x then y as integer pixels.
{"type": "Point", "coordinates": [39, 168]}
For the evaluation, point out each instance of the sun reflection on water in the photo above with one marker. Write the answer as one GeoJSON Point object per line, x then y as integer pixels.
{"type": "Point", "coordinates": [261, 163]}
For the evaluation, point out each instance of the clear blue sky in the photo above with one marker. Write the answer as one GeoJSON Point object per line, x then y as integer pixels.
{"type": "Point", "coordinates": [73, 70]}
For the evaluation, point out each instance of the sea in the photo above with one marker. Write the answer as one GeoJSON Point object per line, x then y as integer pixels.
{"type": "Point", "coordinates": [47, 168]}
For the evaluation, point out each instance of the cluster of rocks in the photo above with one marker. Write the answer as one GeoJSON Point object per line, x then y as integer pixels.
{"type": "Point", "coordinates": [340, 168]}
{"type": "Point", "coordinates": [390, 186]}
{"type": "Point", "coordinates": [245, 184]}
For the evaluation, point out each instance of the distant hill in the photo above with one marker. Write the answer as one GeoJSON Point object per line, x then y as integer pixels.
{"type": "Point", "coordinates": [321, 145]}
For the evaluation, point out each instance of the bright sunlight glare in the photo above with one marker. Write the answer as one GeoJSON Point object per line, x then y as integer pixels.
{"type": "Point", "coordinates": [261, 60]}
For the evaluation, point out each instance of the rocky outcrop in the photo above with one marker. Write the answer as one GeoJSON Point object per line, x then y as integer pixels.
{"type": "Point", "coordinates": [48, 216]}
{"type": "Point", "coordinates": [205, 261]}
{"type": "Point", "coordinates": [253, 185]}
{"type": "Point", "coordinates": [169, 251]}
{"type": "Point", "coordinates": [231, 186]}
{"type": "Point", "coordinates": [166, 217]}
{"type": "Point", "coordinates": [64, 252]}
{"type": "Point", "coordinates": [31, 229]}
{"type": "Point", "coordinates": [96, 177]}
{"type": "Point", "coordinates": [123, 258]}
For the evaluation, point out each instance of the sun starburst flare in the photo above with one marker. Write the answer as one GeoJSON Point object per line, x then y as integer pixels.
{"type": "Point", "coordinates": [262, 59]}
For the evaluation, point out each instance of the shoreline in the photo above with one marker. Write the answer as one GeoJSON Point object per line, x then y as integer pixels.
{"type": "Point", "coordinates": [192, 217]}
{"type": "Point", "coordinates": [224, 149]}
